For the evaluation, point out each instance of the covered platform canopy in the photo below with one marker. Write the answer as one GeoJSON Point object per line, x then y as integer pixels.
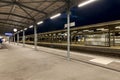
{"type": "Point", "coordinates": [21, 14]}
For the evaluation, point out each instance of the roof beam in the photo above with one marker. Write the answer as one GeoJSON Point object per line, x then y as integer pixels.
{"type": "Point", "coordinates": [42, 1]}
{"type": "Point", "coordinates": [12, 9]}
{"type": "Point", "coordinates": [4, 13]}
{"type": "Point", "coordinates": [14, 21]}
{"type": "Point", "coordinates": [3, 1]}
{"type": "Point", "coordinates": [46, 8]}
{"type": "Point", "coordinates": [4, 30]}
{"type": "Point", "coordinates": [26, 12]}
{"type": "Point", "coordinates": [2, 27]}
{"type": "Point", "coordinates": [5, 5]}
{"type": "Point", "coordinates": [20, 4]}
{"type": "Point", "coordinates": [12, 24]}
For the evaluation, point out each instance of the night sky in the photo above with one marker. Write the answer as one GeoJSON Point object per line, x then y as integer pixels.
{"type": "Point", "coordinates": [96, 12]}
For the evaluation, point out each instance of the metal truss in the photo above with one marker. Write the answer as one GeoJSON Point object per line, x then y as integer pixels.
{"type": "Point", "coordinates": [10, 20]}
{"type": "Point", "coordinates": [4, 23]}
{"type": "Point", "coordinates": [25, 8]}
{"type": "Point", "coordinates": [20, 16]}
{"type": "Point", "coordinates": [20, 4]}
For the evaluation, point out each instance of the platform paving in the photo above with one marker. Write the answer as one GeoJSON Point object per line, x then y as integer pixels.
{"type": "Point", "coordinates": [24, 63]}
{"type": "Point", "coordinates": [2, 46]}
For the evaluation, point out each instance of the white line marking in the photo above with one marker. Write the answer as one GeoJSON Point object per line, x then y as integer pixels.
{"type": "Point", "coordinates": [104, 61]}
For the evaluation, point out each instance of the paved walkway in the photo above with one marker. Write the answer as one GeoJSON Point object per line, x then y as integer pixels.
{"type": "Point", "coordinates": [102, 59]}
{"type": "Point", "coordinates": [2, 46]}
{"type": "Point", "coordinates": [18, 63]}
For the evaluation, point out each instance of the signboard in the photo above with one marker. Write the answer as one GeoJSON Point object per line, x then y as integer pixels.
{"type": "Point", "coordinates": [8, 34]}
{"type": "Point", "coordinates": [71, 25]}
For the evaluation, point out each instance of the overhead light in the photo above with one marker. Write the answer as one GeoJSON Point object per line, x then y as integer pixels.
{"type": "Point", "coordinates": [31, 26]}
{"type": "Point", "coordinates": [65, 34]}
{"type": "Point", "coordinates": [40, 22]}
{"type": "Point", "coordinates": [57, 15]}
{"type": "Point", "coordinates": [25, 29]}
{"type": "Point", "coordinates": [15, 30]}
{"type": "Point", "coordinates": [102, 29]}
{"type": "Point", "coordinates": [85, 30]}
{"type": "Point", "coordinates": [118, 27]}
{"type": "Point", "coordinates": [85, 3]}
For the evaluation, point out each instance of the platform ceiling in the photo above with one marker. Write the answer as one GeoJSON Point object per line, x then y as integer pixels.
{"type": "Point", "coordinates": [21, 13]}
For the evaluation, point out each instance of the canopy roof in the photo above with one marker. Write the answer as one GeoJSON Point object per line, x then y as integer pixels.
{"type": "Point", "coordinates": [22, 13]}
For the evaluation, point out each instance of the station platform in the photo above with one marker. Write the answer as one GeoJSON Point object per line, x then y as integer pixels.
{"type": "Point", "coordinates": [2, 46]}
{"type": "Point", "coordinates": [25, 63]}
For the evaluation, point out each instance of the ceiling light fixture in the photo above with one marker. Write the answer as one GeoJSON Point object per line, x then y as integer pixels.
{"type": "Point", "coordinates": [15, 30]}
{"type": "Point", "coordinates": [31, 26]}
{"type": "Point", "coordinates": [25, 29]}
{"type": "Point", "coordinates": [40, 22]}
{"type": "Point", "coordinates": [57, 15]}
{"type": "Point", "coordinates": [85, 3]}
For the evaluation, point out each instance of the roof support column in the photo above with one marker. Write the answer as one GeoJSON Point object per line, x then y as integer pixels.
{"type": "Point", "coordinates": [18, 38]}
{"type": "Point", "coordinates": [23, 38]}
{"type": "Point", "coordinates": [68, 30]}
{"type": "Point", "coordinates": [14, 39]}
{"type": "Point", "coordinates": [109, 37]}
{"type": "Point", "coordinates": [114, 37]}
{"type": "Point", "coordinates": [9, 39]}
{"type": "Point", "coordinates": [35, 36]}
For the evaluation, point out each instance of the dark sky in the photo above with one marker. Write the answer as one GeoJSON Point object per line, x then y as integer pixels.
{"type": "Point", "coordinates": [99, 11]}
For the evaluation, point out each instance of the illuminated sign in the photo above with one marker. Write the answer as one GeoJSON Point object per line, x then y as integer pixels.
{"type": "Point", "coordinates": [8, 34]}
{"type": "Point", "coordinates": [71, 25]}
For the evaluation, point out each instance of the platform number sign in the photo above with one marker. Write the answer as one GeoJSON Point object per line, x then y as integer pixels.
{"type": "Point", "coordinates": [71, 24]}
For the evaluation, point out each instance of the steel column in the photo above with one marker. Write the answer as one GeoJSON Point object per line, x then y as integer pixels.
{"type": "Point", "coordinates": [9, 40]}
{"type": "Point", "coordinates": [35, 36]}
{"type": "Point", "coordinates": [18, 38]}
{"type": "Point", "coordinates": [114, 37]}
{"type": "Point", "coordinates": [85, 43]}
{"type": "Point", "coordinates": [14, 39]}
{"type": "Point", "coordinates": [68, 31]}
{"type": "Point", "coordinates": [23, 38]}
{"type": "Point", "coordinates": [109, 38]}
